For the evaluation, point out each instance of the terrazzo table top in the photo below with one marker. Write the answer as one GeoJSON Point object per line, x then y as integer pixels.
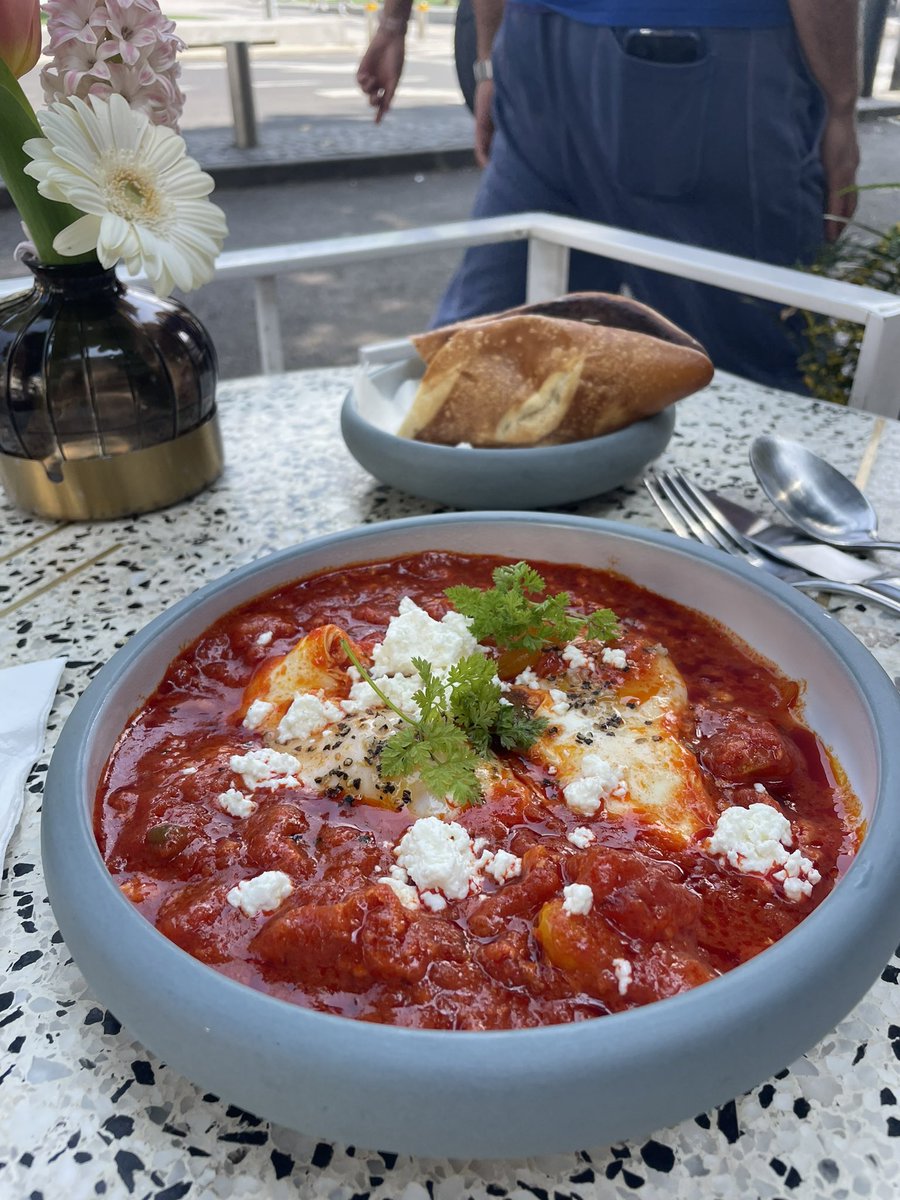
{"type": "Point", "coordinates": [85, 1111]}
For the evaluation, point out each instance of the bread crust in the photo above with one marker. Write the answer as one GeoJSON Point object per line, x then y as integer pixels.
{"type": "Point", "coordinates": [540, 375]}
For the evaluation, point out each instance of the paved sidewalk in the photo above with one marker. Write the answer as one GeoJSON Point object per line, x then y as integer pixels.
{"type": "Point", "coordinates": [297, 148]}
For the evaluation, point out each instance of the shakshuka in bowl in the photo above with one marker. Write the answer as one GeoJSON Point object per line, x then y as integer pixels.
{"type": "Point", "coordinates": [481, 835]}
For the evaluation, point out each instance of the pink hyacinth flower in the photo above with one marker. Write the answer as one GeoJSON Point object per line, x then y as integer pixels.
{"type": "Point", "coordinates": [75, 68]}
{"type": "Point", "coordinates": [118, 47]}
{"type": "Point", "coordinates": [131, 27]}
{"type": "Point", "coordinates": [73, 20]}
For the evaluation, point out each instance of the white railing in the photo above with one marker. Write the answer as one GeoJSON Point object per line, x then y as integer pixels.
{"type": "Point", "coordinates": [876, 386]}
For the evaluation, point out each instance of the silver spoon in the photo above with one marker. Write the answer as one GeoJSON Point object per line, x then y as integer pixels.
{"type": "Point", "coordinates": [815, 496]}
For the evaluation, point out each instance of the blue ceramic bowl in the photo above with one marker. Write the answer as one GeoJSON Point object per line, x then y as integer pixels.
{"type": "Point", "coordinates": [488, 479]}
{"type": "Point", "coordinates": [511, 1093]}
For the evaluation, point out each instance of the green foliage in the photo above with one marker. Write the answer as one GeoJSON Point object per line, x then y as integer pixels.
{"type": "Point", "coordinates": [831, 346]}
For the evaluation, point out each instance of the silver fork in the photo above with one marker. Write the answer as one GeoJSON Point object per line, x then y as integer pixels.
{"type": "Point", "coordinates": [686, 510]}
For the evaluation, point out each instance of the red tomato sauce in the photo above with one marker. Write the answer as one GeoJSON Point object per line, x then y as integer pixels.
{"type": "Point", "coordinates": [343, 943]}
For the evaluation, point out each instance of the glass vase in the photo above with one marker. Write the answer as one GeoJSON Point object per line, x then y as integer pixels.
{"type": "Point", "coordinates": [107, 397]}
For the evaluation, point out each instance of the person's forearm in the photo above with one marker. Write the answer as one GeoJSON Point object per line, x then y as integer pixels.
{"type": "Point", "coordinates": [829, 32]}
{"type": "Point", "coordinates": [488, 15]}
{"type": "Point", "coordinates": [395, 14]}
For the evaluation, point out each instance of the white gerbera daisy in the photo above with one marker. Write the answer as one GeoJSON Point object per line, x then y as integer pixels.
{"type": "Point", "coordinates": [144, 200]}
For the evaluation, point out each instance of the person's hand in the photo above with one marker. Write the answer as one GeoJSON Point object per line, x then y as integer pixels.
{"type": "Point", "coordinates": [840, 159]}
{"type": "Point", "coordinates": [484, 121]}
{"type": "Point", "coordinates": [380, 68]}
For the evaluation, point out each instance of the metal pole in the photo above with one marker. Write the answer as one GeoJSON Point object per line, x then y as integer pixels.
{"type": "Point", "coordinates": [271, 9]}
{"type": "Point", "coordinates": [874, 19]}
{"type": "Point", "coordinates": [240, 87]}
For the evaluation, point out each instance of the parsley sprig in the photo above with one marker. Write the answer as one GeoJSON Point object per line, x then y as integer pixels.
{"type": "Point", "coordinates": [463, 715]}
{"type": "Point", "coordinates": [505, 614]}
{"type": "Point", "coordinates": [460, 717]}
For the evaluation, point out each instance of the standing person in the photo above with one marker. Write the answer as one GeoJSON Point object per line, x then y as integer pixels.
{"type": "Point", "coordinates": [727, 124]}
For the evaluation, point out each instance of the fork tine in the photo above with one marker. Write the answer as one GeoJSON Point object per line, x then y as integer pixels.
{"type": "Point", "coordinates": [701, 504]}
{"type": "Point", "coordinates": [696, 515]}
{"type": "Point", "coordinates": [671, 514]}
{"type": "Point", "coordinates": [679, 514]}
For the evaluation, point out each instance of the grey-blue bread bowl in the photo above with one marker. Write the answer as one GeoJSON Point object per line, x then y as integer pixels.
{"type": "Point", "coordinates": [506, 1093]}
{"type": "Point", "coordinates": [536, 477]}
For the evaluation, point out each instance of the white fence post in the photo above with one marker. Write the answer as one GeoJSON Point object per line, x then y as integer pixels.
{"type": "Point", "coordinates": [548, 271]}
{"type": "Point", "coordinates": [268, 324]}
{"type": "Point", "coordinates": [876, 384]}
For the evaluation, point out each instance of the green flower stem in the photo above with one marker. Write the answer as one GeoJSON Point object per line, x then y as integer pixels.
{"type": "Point", "coordinates": [43, 218]}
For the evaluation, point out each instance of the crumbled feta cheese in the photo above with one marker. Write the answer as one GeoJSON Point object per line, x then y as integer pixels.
{"type": "Point", "coordinates": [527, 678]}
{"type": "Point", "coordinates": [414, 634]}
{"type": "Point", "coordinates": [598, 780]}
{"type": "Point", "coordinates": [398, 688]}
{"type": "Point", "coordinates": [581, 837]}
{"type": "Point", "coordinates": [433, 900]}
{"type": "Point", "coordinates": [257, 713]}
{"type": "Point", "coordinates": [265, 637]}
{"type": "Point", "coordinates": [560, 700]}
{"type": "Point", "coordinates": [265, 768]}
{"type": "Point", "coordinates": [614, 658]}
{"type": "Point", "coordinates": [760, 787]}
{"type": "Point", "coordinates": [261, 894]}
{"type": "Point", "coordinates": [796, 889]}
{"type": "Point", "coordinates": [796, 866]}
{"type": "Point", "coordinates": [398, 881]}
{"type": "Point", "coordinates": [503, 866]}
{"type": "Point", "coordinates": [622, 969]}
{"type": "Point", "coordinates": [235, 803]}
{"type": "Point", "coordinates": [798, 876]}
{"type": "Point", "coordinates": [307, 715]}
{"type": "Point", "coordinates": [752, 839]}
{"type": "Point", "coordinates": [438, 855]}
{"type": "Point", "coordinates": [189, 771]}
{"type": "Point", "coordinates": [578, 899]}
{"type": "Point", "coordinates": [575, 656]}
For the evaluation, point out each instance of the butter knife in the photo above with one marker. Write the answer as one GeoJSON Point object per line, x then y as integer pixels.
{"type": "Point", "coordinates": [780, 541]}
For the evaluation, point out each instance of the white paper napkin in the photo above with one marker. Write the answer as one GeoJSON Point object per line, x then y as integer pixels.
{"type": "Point", "coordinates": [382, 396]}
{"type": "Point", "coordinates": [26, 694]}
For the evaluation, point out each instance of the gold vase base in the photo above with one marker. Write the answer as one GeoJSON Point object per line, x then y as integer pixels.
{"type": "Point", "coordinates": [121, 485]}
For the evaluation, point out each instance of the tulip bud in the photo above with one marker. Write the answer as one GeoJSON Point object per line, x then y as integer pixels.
{"type": "Point", "coordinates": [20, 34]}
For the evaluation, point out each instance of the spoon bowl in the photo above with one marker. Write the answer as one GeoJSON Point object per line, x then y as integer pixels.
{"type": "Point", "coordinates": [815, 496]}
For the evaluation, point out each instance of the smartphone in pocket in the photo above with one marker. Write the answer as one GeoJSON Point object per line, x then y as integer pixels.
{"type": "Point", "coordinates": [664, 45]}
{"type": "Point", "coordinates": [662, 81]}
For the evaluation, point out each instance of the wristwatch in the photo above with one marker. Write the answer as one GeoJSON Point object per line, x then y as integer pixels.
{"type": "Point", "coordinates": [483, 70]}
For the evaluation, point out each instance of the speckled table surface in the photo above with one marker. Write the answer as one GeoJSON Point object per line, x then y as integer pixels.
{"type": "Point", "coordinates": [86, 1111]}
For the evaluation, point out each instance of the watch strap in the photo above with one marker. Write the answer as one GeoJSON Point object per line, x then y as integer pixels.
{"type": "Point", "coordinates": [482, 69]}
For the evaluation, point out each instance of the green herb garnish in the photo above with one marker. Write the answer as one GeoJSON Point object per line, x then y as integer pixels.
{"type": "Point", "coordinates": [460, 715]}
{"type": "Point", "coordinates": [476, 705]}
{"type": "Point", "coordinates": [463, 715]}
{"type": "Point", "coordinates": [506, 615]}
